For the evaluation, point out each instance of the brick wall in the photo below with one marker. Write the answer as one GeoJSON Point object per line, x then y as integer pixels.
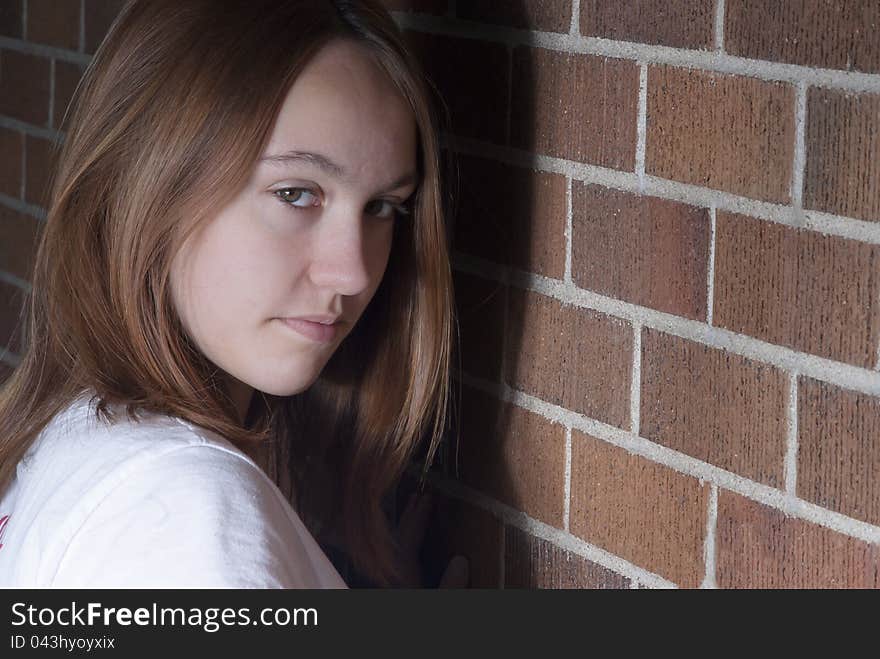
{"type": "Point", "coordinates": [667, 258]}
{"type": "Point", "coordinates": [45, 46]}
{"type": "Point", "coordinates": [667, 265]}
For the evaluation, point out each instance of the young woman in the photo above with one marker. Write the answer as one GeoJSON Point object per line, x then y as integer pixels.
{"type": "Point", "coordinates": [240, 326]}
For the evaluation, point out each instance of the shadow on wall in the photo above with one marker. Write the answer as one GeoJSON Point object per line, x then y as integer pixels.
{"type": "Point", "coordinates": [487, 89]}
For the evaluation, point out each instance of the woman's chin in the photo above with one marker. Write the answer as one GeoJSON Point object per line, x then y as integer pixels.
{"type": "Point", "coordinates": [287, 386]}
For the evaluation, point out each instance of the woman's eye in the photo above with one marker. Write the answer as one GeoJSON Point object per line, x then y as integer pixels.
{"type": "Point", "coordinates": [387, 209]}
{"type": "Point", "coordinates": [305, 198]}
{"type": "Point", "coordinates": [295, 197]}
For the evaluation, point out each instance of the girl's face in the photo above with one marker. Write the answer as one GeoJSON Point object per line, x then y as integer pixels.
{"type": "Point", "coordinates": [309, 234]}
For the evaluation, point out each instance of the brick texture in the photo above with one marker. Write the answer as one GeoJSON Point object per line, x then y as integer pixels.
{"type": "Point", "coordinates": [843, 153]}
{"type": "Point", "coordinates": [512, 216]}
{"type": "Point", "coordinates": [11, 148]}
{"type": "Point", "coordinates": [680, 24]}
{"type": "Point", "coordinates": [839, 449]}
{"type": "Point", "coordinates": [24, 87]}
{"type": "Point", "coordinates": [577, 358]}
{"type": "Point", "coordinates": [480, 308]}
{"type": "Point", "coordinates": [11, 18]}
{"type": "Point", "coordinates": [714, 405]}
{"type": "Point", "coordinates": [798, 288]}
{"type": "Point", "coordinates": [99, 15]}
{"type": "Point", "coordinates": [545, 15]}
{"type": "Point", "coordinates": [549, 115]}
{"type": "Point", "coordinates": [531, 562]}
{"type": "Point", "coordinates": [54, 22]}
{"type": "Point", "coordinates": [514, 455]}
{"type": "Point", "coordinates": [644, 512]}
{"type": "Point", "coordinates": [473, 78]}
{"type": "Point", "coordinates": [760, 547]}
{"type": "Point", "coordinates": [720, 131]}
{"type": "Point", "coordinates": [822, 33]}
{"type": "Point", "coordinates": [648, 251]}
{"type": "Point", "coordinates": [19, 234]}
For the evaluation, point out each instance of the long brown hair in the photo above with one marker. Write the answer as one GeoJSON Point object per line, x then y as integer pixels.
{"type": "Point", "coordinates": [167, 123]}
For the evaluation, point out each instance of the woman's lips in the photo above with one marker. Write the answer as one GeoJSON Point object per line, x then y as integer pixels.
{"type": "Point", "coordinates": [314, 331]}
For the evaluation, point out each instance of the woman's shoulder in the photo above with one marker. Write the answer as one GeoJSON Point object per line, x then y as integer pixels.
{"type": "Point", "coordinates": [161, 495]}
{"type": "Point", "coordinates": [80, 457]}
{"type": "Point", "coordinates": [78, 451]}
{"type": "Point", "coordinates": [78, 433]}
{"type": "Point", "coordinates": [194, 515]}
{"type": "Point", "coordinates": [87, 451]}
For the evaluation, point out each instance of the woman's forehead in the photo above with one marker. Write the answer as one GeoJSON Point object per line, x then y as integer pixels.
{"type": "Point", "coordinates": [346, 114]}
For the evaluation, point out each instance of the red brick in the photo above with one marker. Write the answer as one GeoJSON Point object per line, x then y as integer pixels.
{"type": "Point", "coordinates": [639, 510]}
{"type": "Point", "coordinates": [11, 150]}
{"type": "Point", "coordinates": [577, 358]}
{"type": "Point", "coordinates": [513, 455]}
{"type": "Point", "coordinates": [512, 215]}
{"type": "Point", "coordinates": [40, 159]}
{"type": "Point", "coordinates": [99, 15]}
{"type": "Point", "coordinates": [12, 299]}
{"type": "Point", "coordinates": [480, 308]}
{"type": "Point", "coordinates": [839, 449]}
{"type": "Point", "coordinates": [843, 153]}
{"type": "Point", "coordinates": [67, 76]}
{"type": "Point", "coordinates": [648, 251]}
{"type": "Point", "coordinates": [714, 405]}
{"type": "Point", "coordinates": [798, 288]}
{"type": "Point", "coordinates": [11, 18]}
{"type": "Point", "coordinates": [54, 22]}
{"type": "Point", "coordinates": [545, 15]}
{"type": "Point", "coordinates": [531, 562]}
{"type": "Point", "coordinates": [761, 547]}
{"type": "Point", "coordinates": [720, 131]}
{"type": "Point", "coordinates": [680, 24]}
{"type": "Point", "coordinates": [574, 106]}
{"type": "Point", "coordinates": [457, 527]}
{"type": "Point", "coordinates": [819, 33]}
{"type": "Point", "coordinates": [19, 234]}
{"type": "Point", "coordinates": [473, 78]}
{"type": "Point", "coordinates": [24, 87]}
{"type": "Point", "coordinates": [422, 6]}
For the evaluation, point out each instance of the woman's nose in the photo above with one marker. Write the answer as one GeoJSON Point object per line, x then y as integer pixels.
{"type": "Point", "coordinates": [340, 258]}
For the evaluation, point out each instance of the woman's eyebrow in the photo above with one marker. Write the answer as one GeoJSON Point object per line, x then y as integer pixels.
{"type": "Point", "coordinates": [331, 168]}
{"type": "Point", "coordinates": [316, 159]}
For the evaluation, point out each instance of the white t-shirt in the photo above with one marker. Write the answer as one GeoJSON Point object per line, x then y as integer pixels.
{"type": "Point", "coordinates": [159, 503]}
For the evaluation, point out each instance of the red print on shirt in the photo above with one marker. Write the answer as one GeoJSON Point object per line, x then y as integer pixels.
{"type": "Point", "coordinates": [3, 521]}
